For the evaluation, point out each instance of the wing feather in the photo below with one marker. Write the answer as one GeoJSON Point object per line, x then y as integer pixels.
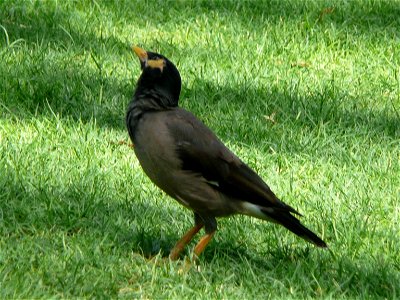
{"type": "Point", "coordinates": [202, 152]}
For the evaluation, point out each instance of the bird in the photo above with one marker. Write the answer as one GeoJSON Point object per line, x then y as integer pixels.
{"type": "Point", "coordinates": [186, 160]}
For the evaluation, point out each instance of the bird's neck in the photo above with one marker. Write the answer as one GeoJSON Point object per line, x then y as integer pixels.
{"type": "Point", "coordinates": [144, 101]}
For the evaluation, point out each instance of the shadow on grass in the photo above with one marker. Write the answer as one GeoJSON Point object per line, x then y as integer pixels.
{"type": "Point", "coordinates": [333, 108]}
{"type": "Point", "coordinates": [48, 22]}
{"type": "Point", "coordinates": [42, 90]}
{"type": "Point", "coordinates": [93, 96]}
{"type": "Point", "coordinates": [51, 25]}
{"type": "Point", "coordinates": [90, 94]}
{"type": "Point", "coordinates": [61, 70]}
{"type": "Point", "coordinates": [356, 18]}
{"type": "Point", "coordinates": [131, 225]}
{"type": "Point", "coordinates": [135, 226]}
{"type": "Point", "coordinates": [316, 271]}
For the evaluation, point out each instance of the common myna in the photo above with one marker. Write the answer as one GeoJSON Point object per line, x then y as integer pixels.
{"type": "Point", "coordinates": [184, 158]}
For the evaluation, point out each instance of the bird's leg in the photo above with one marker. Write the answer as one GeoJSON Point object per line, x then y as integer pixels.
{"type": "Point", "coordinates": [174, 254]}
{"type": "Point", "coordinates": [201, 245]}
{"type": "Point", "coordinates": [210, 227]}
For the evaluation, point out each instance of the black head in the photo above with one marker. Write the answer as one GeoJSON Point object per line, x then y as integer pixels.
{"type": "Point", "coordinates": [159, 74]}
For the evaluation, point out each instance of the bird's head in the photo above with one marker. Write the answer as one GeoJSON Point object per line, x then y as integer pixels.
{"type": "Point", "coordinates": [160, 74]}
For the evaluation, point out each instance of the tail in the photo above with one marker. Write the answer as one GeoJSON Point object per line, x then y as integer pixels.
{"type": "Point", "coordinates": [282, 215]}
{"type": "Point", "coordinates": [287, 220]}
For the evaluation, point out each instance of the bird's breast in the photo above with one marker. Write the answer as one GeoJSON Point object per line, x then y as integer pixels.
{"type": "Point", "coordinates": [155, 150]}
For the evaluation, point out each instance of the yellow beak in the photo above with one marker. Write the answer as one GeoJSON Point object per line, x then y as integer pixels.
{"type": "Point", "coordinates": [142, 54]}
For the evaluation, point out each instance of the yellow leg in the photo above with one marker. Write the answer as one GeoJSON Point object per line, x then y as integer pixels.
{"type": "Point", "coordinates": [174, 254]}
{"type": "Point", "coordinates": [201, 245]}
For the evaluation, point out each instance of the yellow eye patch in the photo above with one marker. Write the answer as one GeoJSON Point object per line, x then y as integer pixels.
{"type": "Point", "coordinates": [158, 63]}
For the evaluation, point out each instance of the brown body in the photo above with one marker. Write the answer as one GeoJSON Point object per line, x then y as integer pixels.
{"type": "Point", "coordinates": [156, 149]}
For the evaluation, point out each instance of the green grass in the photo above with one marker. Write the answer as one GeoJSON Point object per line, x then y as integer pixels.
{"type": "Point", "coordinates": [78, 218]}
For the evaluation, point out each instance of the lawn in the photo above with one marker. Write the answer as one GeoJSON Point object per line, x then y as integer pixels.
{"type": "Point", "coordinates": [306, 92]}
